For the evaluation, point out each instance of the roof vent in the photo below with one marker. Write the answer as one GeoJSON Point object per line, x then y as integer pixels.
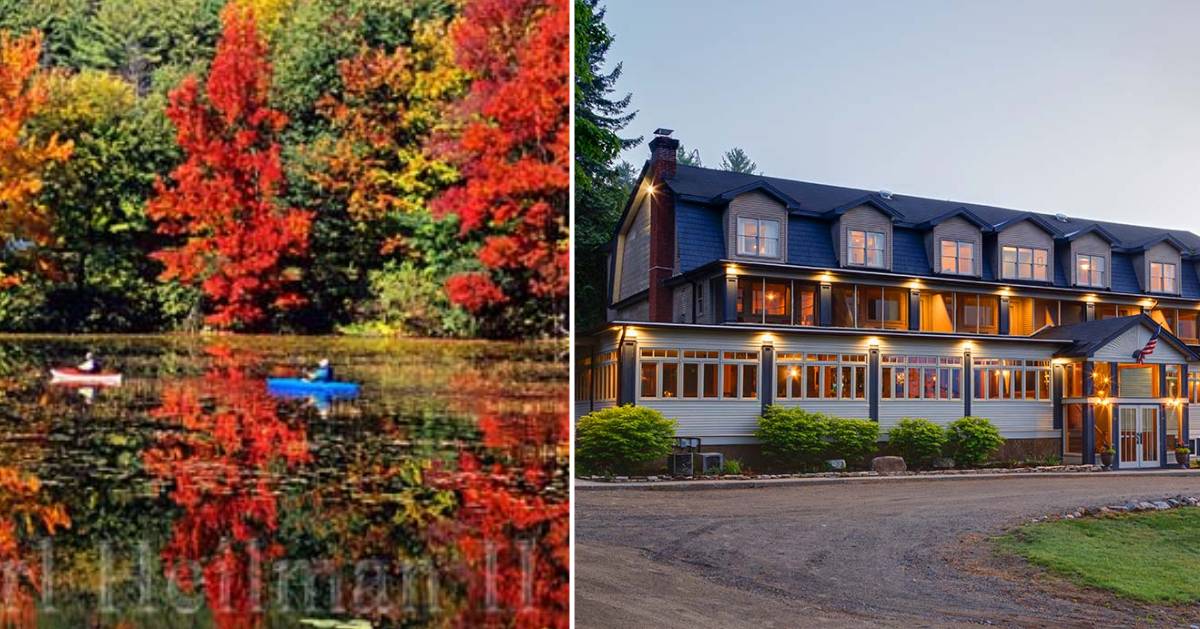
{"type": "Point", "coordinates": [1060, 217]}
{"type": "Point", "coordinates": [887, 194]}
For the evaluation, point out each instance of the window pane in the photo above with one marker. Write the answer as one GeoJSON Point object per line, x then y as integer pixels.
{"type": "Point", "coordinates": [937, 311]}
{"type": "Point", "coordinates": [691, 380]}
{"type": "Point", "coordinates": [980, 383]}
{"type": "Point", "coordinates": [1043, 384]}
{"type": "Point", "coordinates": [778, 302]}
{"type": "Point", "coordinates": [770, 229]}
{"type": "Point", "coordinates": [900, 383]}
{"type": "Point", "coordinates": [944, 384]}
{"type": "Point", "coordinates": [747, 227]}
{"type": "Point", "coordinates": [1031, 384]}
{"type": "Point", "coordinates": [870, 305]}
{"type": "Point", "coordinates": [914, 383]}
{"type": "Point", "coordinates": [729, 381]}
{"type": "Point", "coordinates": [649, 379]}
{"type": "Point", "coordinates": [806, 311]}
{"type": "Point", "coordinates": [770, 247]}
{"type": "Point", "coordinates": [843, 306]}
{"type": "Point", "coordinates": [949, 256]}
{"type": "Point", "coordinates": [886, 383]}
{"type": "Point", "coordinates": [860, 383]}
{"type": "Point", "coordinates": [749, 381]}
{"type": "Point", "coordinates": [831, 382]}
{"type": "Point", "coordinates": [670, 380]}
{"type": "Point", "coordinates": [812, 382]}
{"type": "Point", "coordinates": [710, 380]}
{"type": "Point", "coordinates": [930, 380]}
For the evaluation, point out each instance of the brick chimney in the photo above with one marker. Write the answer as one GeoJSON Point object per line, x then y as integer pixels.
{"type": "Point", "coordinates": [662, 224]}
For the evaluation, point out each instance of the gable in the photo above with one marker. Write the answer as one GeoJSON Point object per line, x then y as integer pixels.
{"type": "Point", "coordinates": [1121, 349]}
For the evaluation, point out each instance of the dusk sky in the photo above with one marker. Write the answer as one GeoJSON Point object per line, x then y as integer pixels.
{"type": "Point", "coordinates": [1087, 108]}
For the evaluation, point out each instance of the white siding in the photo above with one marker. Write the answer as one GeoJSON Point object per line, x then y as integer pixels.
{"type": "Point", "coordinates": [1121, 348]}
{"type": "Point", "coordinates": [1018, 419]}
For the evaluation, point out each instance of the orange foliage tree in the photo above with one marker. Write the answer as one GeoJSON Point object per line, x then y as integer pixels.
{"type": "Point", "coordinates": [514, 155]}
{"type": "Point", "coordinates": [22, 157]}
{"type": "Point", "coordinates": [229, 437]}
{"type": "Point", "coordinates": [25, 513]}
{"type": "Point", "coordinates": [224, 199]}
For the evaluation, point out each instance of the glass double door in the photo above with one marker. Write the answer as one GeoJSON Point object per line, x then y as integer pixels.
{"type": "Point", "coordinates": [1139, 437]}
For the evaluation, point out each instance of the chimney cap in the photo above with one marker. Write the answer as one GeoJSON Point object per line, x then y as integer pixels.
{"type": "Point", "coordinates": [661, 131]}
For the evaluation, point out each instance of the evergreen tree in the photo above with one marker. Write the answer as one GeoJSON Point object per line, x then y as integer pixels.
{"type": "Point", "coordinates": [736, 160]}
{"type": "Point", "coordinates": [688, 158]}
{"type": "Point", "coordinates": [601, 183]}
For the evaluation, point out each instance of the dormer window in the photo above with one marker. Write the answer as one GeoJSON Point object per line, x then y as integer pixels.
{"type": "Point", "coordinates": [758, 237]}
{"type": "Point", "coordinates": [1162, 277]}
{"type": "Point", "coordinates": [958, 257]}
{"type": "Point", "coordinates": [1089, 270]}
{"type": "Point", "coordinates": [865, 248]}
{"type": "Point", "coordinates": [1025, 263]}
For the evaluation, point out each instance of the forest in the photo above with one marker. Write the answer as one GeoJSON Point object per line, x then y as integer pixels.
{"type": "Point", "coordinates": [390, 167]}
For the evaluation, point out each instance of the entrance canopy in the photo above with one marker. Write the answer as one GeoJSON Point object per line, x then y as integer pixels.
{"type": "Point", "coordinates": [1118, 339]}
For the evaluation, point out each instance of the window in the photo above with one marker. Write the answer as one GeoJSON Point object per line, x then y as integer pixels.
{"type": "Point", "coordinates": [1073, 428]}
{"type": "Point", "coordinates": [583, 383]}
{"type": "Point", "coordinates": [843, 305]}
{"type": "Point", "coordinates": [865, 248]}
{"type": "Point", "coordinates": [937, 311]}
{"type": "Point", "coordinates": [778, 301]}
{"type": "Point", "coordinates": [1012, 379]}
{"type": "Point", "coordinates": [806, 304]}
{"type": "Point", "coordinates": [821, 376]}
{"type": "Point", "coordinates": [1089, 270]}
{"type": "Point", "coordinates": [1193, 387]}
{"type": "Point", "coordinates": [921, 377]}
{"type": "Point", "coordinates": [958, 257]}
{"type": "Point", "coordinates": [1025, 263]}
{"type": "Point", "coordinates": [758, 237]}
{"type": "Point", "coordinates": [1162, 277]}
{"type": "Point", "coordinates": [1186, 328]}
{"type": "Point", "coordinates": [1108, 311]}
{"type": "Point", "coordinates": [761, 300]}
{"type": "Point", "coordinates": [1172, 376]}
{"type": "Point", "coordinates": [1073, 380]}
{"type": "Point", "coordinates": [978, 314]}
{"type": "Point", "coordinates": [882, 307]}
{"type": "Point", "coordinates": [606, 376]}
{"type": "Point", "coordinates": [696, 374]}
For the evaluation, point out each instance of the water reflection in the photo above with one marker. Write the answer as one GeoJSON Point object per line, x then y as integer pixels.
{"type": "Point", "coordinates": [437, 497]}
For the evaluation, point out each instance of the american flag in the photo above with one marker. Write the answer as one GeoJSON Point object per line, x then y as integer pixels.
{"type": "Point", "coordinates": [1141, 354]}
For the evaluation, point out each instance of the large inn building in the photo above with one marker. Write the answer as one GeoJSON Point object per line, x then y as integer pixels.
{"type": "Point", "coordinates": [728, 292]}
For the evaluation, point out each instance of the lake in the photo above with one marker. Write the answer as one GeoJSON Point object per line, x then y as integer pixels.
{"type": "Point", "coordinates": [191, 495]}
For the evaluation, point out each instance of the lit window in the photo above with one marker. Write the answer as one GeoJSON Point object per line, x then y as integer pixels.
{"type": "Point", "coordinates": [958, 257]}
{"type": "Point", "coordinates": [865, 248]}
{"type": "Point", "coordinates": [921, 377]}
{"type": "Point", "coordinates": [1089, 270]}
{"type": "Point", "coordinates": [1025, 263]}
{"type": "Point", "coordinates": [1162, 277]}
{"type": "Point", "coordinates": [821, 376]}
{"type": "Point", "coordinates": [758, 237]}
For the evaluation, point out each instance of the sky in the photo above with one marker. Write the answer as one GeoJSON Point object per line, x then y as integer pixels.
{"type": "Point", "coordinates": [1087, 108]}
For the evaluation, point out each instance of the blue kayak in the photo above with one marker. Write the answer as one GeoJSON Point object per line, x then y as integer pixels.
{"type": "Point", "coordinates": [302, 387]}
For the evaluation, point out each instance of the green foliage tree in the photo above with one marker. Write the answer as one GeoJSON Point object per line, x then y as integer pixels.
{"type": "Point", "coordinates": [918, 440]}
{"type": "Point", "coordinates": [620, 438]}
{"type": "Point", "coordinates": [736, 160]}
{"type": "Point", "coordinates": [602, 184]}
{"type": "Point", "coordinates": [971, 441]}
{"type": "Point", "coordinates": [688, 158]}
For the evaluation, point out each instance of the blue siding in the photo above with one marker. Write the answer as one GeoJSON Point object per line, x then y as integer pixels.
{"type": "Point", "coordinates": [810, 243]}
{"type": "Point", "coordinates": [908, 252]}
{"type": "Point", "coordinates": [1188, 281]}
{"type": "Point", "coordinates": [1123, 277]}
{"type": "Point", "coordinates": [701, 238]}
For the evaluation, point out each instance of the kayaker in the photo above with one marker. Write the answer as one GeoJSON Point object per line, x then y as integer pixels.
{"type": "Point", "coordinates": [323, 372]}
{"type": "Point", "coordinates": [89, 364]}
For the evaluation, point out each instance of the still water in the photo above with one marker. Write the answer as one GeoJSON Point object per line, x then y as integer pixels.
{"type": "Point", "coordinates": [192, 496]}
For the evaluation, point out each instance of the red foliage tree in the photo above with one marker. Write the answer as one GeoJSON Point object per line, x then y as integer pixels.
{"type": "Point", "coordinates": [224, 196]}
{"type": "Point", "coordinates": [513, 151]}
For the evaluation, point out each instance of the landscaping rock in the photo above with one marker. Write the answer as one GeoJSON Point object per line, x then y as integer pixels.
{"type": "Point", "coordinates": [836, 464]}
{"type": "Point", "coordinates": [943, 463]}
{"type": "Point", "coordinates": [1161, 505]}
{"type": "Point", "coordinates": [885, 465]}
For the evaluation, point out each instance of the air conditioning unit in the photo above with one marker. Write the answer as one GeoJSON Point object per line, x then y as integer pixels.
{"type": "Point", "coordinates": [681, 464]}
{"type": "Point", "coordinates": [712, 462]}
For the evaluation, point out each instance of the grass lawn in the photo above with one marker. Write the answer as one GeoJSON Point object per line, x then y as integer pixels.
{"type": "Point", "coordinates": [1149, 556]}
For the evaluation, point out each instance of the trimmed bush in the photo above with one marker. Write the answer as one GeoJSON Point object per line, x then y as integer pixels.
{"type": "Point", "coordinates": [620, 438]}
{"type": "Point", "coordinates": [972, 441]}
{"type": "Point", "coordinates": [918, 440]}
{"type": "Point", "coordinates": [852, 439]}
{"type": "Point", "coordinates": [794, 435]}
{"type": "Point", "coordinates": [732, 466]}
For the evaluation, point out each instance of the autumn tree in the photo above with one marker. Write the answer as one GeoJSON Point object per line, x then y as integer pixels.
{"type": "Point", "coordinates": [223, 200]}
{"type": "Point", "coordinates": [24, 219]}
{"type": "Point", "coordinates": [514, 156]}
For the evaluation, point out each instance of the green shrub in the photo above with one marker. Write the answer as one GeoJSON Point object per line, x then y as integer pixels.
{"type": "Point", "coordinates": [852, 439]}
{"type": "Point", "coordinates": [618, 439]}
{"type": "Point", "coordinates": [731, 466]}
{"type": "Point", "coordinates": [794, 435]}
{"type": "Point", "coordinates": [972, 440]}
{"type": "Point", "coordinates": [919, 441]}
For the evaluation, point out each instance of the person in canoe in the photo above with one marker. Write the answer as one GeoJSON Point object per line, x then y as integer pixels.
{"type": "Point", "coordinates": [323, 372]}
{"type": "Point", "coordinates": [89, 365]}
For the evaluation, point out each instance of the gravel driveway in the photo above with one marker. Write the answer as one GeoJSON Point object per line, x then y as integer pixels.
{"type": "Point", "coordinates": [909, 553]}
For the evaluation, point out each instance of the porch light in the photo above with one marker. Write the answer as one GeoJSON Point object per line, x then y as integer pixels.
{"type": "Point", "coordinates": [650, 188]}
{"type": "Point", "coordinates": [826, 277]}
{"type": "Point", "coordinates": [631, 333]}
{"type": "Point", "coordinates": [873, 342]}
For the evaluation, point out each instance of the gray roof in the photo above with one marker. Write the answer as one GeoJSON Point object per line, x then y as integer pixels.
{"type": "Point", "coordinates": [1089, 336]}
{"type": "Point", "coordinates": [706, 185]}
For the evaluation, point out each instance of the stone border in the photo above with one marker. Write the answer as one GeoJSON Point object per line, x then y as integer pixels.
{"type": "Point", "coordinates": [1055, 469]}
{"type": "Point", "coordinates": [1164, 504]}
